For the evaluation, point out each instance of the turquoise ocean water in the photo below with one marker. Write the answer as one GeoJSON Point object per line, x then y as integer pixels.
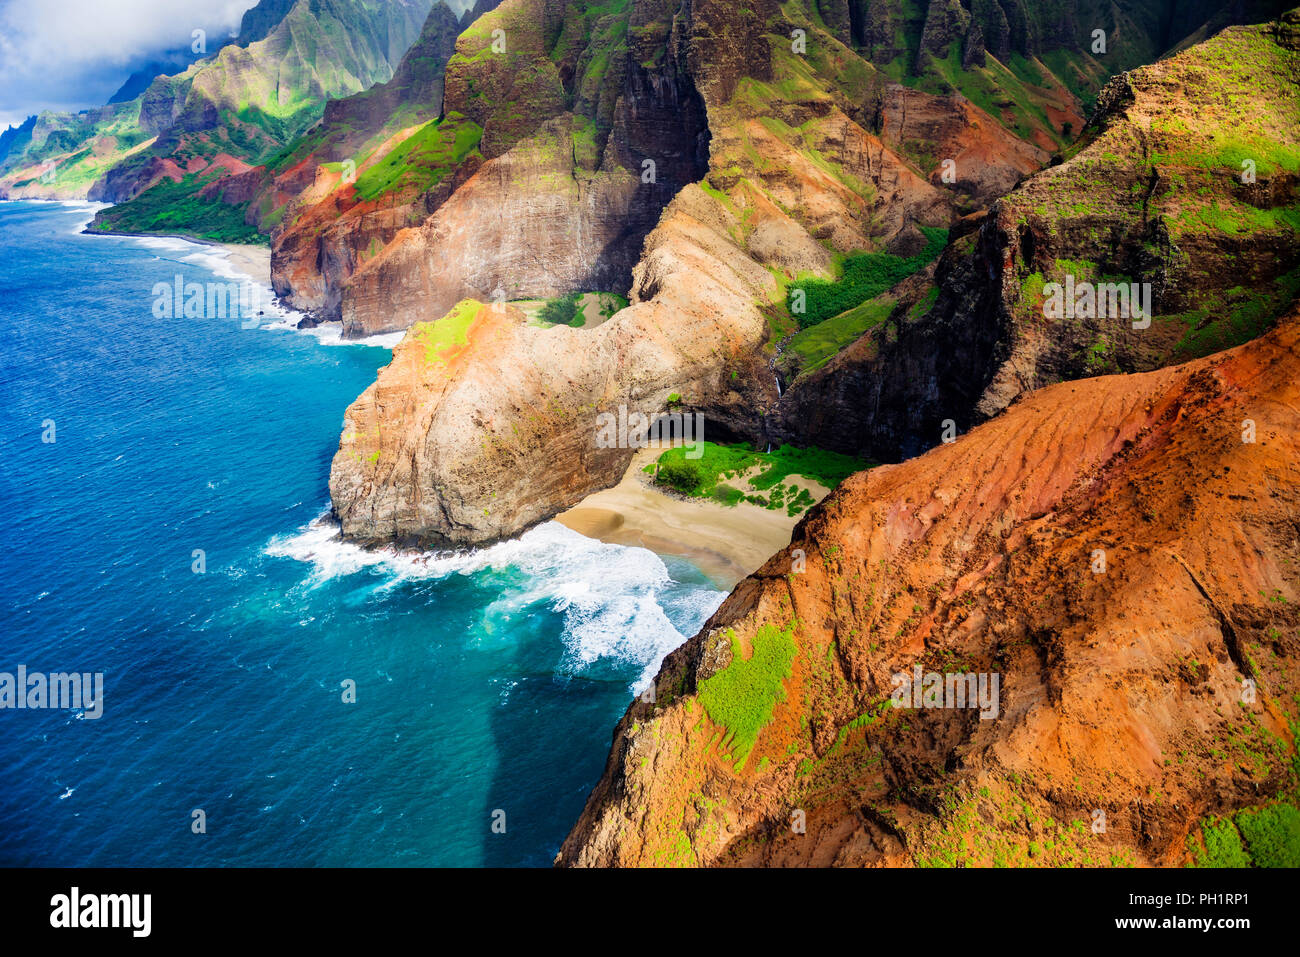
{"type": "Point", "coordinates": [488, 680]}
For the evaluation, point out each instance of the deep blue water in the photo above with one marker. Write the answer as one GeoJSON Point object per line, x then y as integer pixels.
{"type": "Point", "coordinates": [486, 680]}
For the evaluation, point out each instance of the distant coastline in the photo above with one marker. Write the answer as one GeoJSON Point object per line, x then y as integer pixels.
{"type": "Point", "coordinates": [251, 259]}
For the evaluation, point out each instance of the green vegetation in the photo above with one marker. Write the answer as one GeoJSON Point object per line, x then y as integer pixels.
{"type": "Point", "coordinates": [1235, 219]}
{"type": "Point", "coordinates": [703, 477]}
{"type": "Point", "coordinates": [1266, 836]}
{"type": "Point", "coordinates": [993, 88]}
{"type": "Point", "coordinates": [177, 207]}
{"type": "Point", "coordinates": [743, 696]}
{"type": "Point", "coordinates": [423, 160]}
{"type": "Point", "coordinates": [78, 149]}
{"type": "Point", "coordinates": [448, 333]}
{"type": "Point", "coordinates": [576, 309]}
{"type": "Point", "coordinates": [564, 311]}
{"type": "Point", "coordinates": [817, 345]}
{"type": "Point", "coordinates": [1226, 318]}
{"type": "Point", "coordinates": [988, 828]}
{"type": "Point", "coordinates": [862, 276]}
{"type": "Point", "coordinates": [683, 476]}
{"type": "Point", "coordinates": [611, 303]}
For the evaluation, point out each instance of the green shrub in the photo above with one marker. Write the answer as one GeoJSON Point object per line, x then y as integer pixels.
{"type": "Point", "coordinates": [728, 495]}
{"type": "Point", "coordinates": [1255, 837]}
{"type": "Point", "coordinates": [168, 207]}
{"type": "Point", "coordinates": [684, 476]}
{"type": "Point", "coordinates": [564, 311]}
{"type": "Point", "coordinates": [1273, 834]}
{"type": "Point", "coordinates": [743, 696]}
{"type": "Point", "coordinates": [719, 462]}
{"type": "Point", "coordinates": [863, 276]}
{"type": "Point", "coordinates": [799, 503]}
{"type": "Point", "coordinates": [1222, 846]}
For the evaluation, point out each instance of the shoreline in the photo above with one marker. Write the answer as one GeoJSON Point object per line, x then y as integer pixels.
{"type": "Point", "coordinates": [250, 259]}
{"type": "Point", "coordinates": [253, 262]}
{"type": "Point", "coordinates": [726, 542]}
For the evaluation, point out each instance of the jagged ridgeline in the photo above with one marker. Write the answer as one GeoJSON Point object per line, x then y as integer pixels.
{"type": "Point", "coordinates": [564, 130]}
{"type": "Point", "coordinates": [1173, 223]}
{"type": "Point", "coordinates": [194, 142]}
{"type": "Point", "coordinates": [1119, 553]}
{"type": "Point", "coordinates": [587, 64]}
{"type": "Point", "coordinates": [1110, 551]}
{"type": "Point", "coordinates": [218, 139]}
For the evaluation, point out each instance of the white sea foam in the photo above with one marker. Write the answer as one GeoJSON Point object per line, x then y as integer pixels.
{"type": "Point", "coordinates": [84, 210]}
{"type": "Point", "coordinates": [217, 260]}
{"type": "Point", "coordinates": [278, 317]}
{"type": "Point", "coordinates": [331, 333]}
{"type": "Point", "coordinates": [615, 600]}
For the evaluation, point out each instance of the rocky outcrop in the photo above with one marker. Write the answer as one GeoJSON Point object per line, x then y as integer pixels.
{"type": "Point", "coordinates": [793, 177]}
{"type": "Point", "coordinates": [592, 61]}
{"type": "Point", "coordinates": [1121, 553]}
{"type": "Point", "coordinates": [498, 430]}
{"type": "Point", "coordinates": [946, 22]}
{"type": "Point", "coordinates": [1152, 201]}
{"type": "Point", "coordinates": [987, 161]}
{"type": "Point", "coordinates": [258, 21]}
{"type": "Point", "coordinates": [526, 225]}
{"type": "Point", "coordinates": [660, 66]}
{"type": "Point", "coordinates": [552, 214]}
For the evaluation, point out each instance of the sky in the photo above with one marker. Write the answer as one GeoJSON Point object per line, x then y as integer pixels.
{"type": "Point", "coordinates": [74, 54]}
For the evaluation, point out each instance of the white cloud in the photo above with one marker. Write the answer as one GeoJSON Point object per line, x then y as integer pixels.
{"type": "Point", "coordinates": [68, 55]}
{"type": "Point", "coordinates": [72, 54]}
{"type": "Point", "coordinates": [54, 33]}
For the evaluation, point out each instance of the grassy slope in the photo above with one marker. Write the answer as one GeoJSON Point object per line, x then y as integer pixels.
{"type": "Point", "coordinates": [265, 96]}
{"type": "Point", "coordinates": [706, 477]}
{"type": "Point", "coordinates": [1014, 94]}
{"type": "Point", "coordinates": [1194, 151]}
{"type": "Point", "coordinates": [177, 208]}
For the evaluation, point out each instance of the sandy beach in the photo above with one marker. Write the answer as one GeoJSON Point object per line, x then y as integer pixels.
{"type": "Point", "coordinates": [250, 259]}
{"type": "Point", "coordinates": [254, 261]}
{"type": "Point", "coordinates": [726, 542]}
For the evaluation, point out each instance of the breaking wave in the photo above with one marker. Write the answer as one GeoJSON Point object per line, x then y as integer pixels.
{"type": "Point", "coordinates": [618, 604]}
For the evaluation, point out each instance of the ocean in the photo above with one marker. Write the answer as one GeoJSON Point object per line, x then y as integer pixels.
{"type": "Point", "coordinates": [164, 522]}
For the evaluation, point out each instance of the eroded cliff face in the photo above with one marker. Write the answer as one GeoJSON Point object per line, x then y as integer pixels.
{"type": "Point", "coordinates": [804, 151]}
{"type": "Point", "coordinates": [321, 203]}
{"type": "Point", "coordinates": [590, 125]}
{"type": "Point", "coordinates": [1121, 552]}
{"type": "Point", "coordinates": [1166, 197]}
{"type": "Point", "coordinates": [644, 75]}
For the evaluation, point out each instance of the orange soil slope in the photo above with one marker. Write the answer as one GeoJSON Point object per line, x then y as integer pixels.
{"type": "Point", "coordinates": [1121, 690]}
